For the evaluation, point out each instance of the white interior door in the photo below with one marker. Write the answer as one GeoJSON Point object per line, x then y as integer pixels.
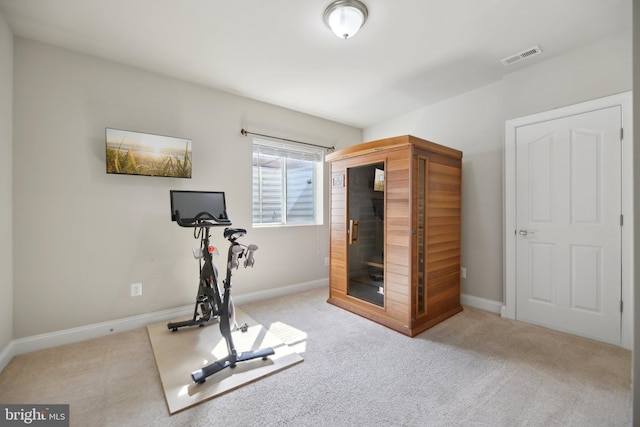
{"type": "Point", "coordinates": [568, 231]}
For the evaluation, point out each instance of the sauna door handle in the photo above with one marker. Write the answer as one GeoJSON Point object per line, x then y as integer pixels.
{"type": "Point", "coordinates": [353, 231]}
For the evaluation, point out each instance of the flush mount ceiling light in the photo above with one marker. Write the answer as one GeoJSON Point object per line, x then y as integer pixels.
{"type": "Point", "coordinates": [345, 17]}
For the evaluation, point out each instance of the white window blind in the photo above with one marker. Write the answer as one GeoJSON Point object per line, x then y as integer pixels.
{"type": "Point", "coordinates": [287, 183]}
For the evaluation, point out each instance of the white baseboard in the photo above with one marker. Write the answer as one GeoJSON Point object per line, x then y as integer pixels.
{"type": "Point", "coordinates": [506, 313]}
{"type": "Point", "coordinates": [96, 330]}
{"type": "Point", "coordinates": [82, 333]}
{"type": "Point", "coordinates": [481, 303]}
{"type": "Point", "coordinates": [6, 355]}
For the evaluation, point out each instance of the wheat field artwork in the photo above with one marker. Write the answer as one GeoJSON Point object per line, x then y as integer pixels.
{"type": "Point", "coordinates": [136, 153]}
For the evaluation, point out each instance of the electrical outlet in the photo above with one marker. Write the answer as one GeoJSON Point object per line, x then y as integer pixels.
{"type": "Point", "coordinates": [136, 289]}
{"type": "Point", "coordinates": [326, 261]}
{"type": "Point", "coordinates": [463, 272]}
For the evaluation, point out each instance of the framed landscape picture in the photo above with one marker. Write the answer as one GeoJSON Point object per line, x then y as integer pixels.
{"type": "Point", "coordinates": [136, 153]}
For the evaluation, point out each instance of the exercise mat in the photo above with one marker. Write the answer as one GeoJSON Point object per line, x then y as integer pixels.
{"type": "Point", "coordinates": [179, 353]}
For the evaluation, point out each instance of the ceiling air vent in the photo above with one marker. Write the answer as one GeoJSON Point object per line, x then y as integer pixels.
{"type": "Point", "coordinates": [521, 55]}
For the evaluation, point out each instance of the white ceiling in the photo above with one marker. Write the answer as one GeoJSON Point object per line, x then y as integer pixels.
{"type": "Point", "coordinates": [409, 53]}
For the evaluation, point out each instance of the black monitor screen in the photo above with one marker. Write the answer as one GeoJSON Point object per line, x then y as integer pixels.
{"type": "Point", "coordinates": [190, 204]}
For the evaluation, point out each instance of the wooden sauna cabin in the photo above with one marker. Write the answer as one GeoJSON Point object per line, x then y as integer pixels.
{"type": "Point", "coordinates": [395, 232]}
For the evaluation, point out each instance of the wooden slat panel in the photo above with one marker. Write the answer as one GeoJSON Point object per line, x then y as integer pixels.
{"type": "Point", "coordinates": [338, 235]}
{"type": "Point", "coordinates": [338, 198]}
{"type": "Point", "coordinates": [448, 237]}
{"type": "Point", "coordinates": [435, 149]}
{"type": "Point", "coordinates": [397, 279]}
{"type": "Point", "coordinates": [435, 212]}
{"type": "Point", "coordinates": [397, 224]}
{"type": "Point", "coordinates": [399, 238]}
{"type": "Point", "coordinates": [340, 216]}
{"type": "Point", "coordinates": [444, 301]}
{"type": "Point", "coordinates": [437, 274]}
{"type": "Point", "coordinates": [398, 311]}
{"type": "Point", "coordinates": [338, 260]}
{"type": "Point", "coordinates": [397, 210]}
{"type": "Point", "coordinates": [337, 279]}
{"type": "Point", "coordinates": [338, 247]}
{"type": "Point", "coordinates": [441, 247]}
{"type": "Point", "coordinates": [395, 191]}
{"type": "Point", "coordinates": [443, 220]}
{"type": "Point", "coordinates": [338, 223]}
{"type": "Point", "coordinates": [443, 196]}
{"type": "Point", "coordinates": [453, 229]}
{"type": "Point", "coordinates": [443, 263]}
{"type": "Point", "coordinates": [440, 186]}
{"type": "Point", "coordinates": [438, 168]}
{"type": "Point", "coordinates": [399, 162]}
{"type": "Point", "coordinates": [397, 176]}
{"type": "Point", "coordinates": [400, 223]}
{"type": "Point", "coordinates": [337, 293]}
{"type": "Point", "coordinates": [443, 238]}
{"type": "Point", "coordinates": [444, 203]}
{"type": "Point", "coordinates": [396, 292]}
{"type": "Point", "coordinates": [438, 256]}
{"type": "Point", "coordinates": [379, 148]}
{"type": "Point", "coordinates": [392, 296]}
{"type": "Point", "coordinates": [397, 255]}
{"type": "Point", "coordinates": [399, 203]}
{"type": "Point", "coordinates": [440, 159]}
{"type": "Point", "coordinates": [395, 268]}
{"type": "Point", "coordinates": [437, 286]}
{"type": "Point", "coordinates": [392, 185]}
{"type": "Point", "coordinates": [444, 178]}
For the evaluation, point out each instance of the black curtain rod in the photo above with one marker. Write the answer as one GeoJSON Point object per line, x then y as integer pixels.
{"type": "Point", "coordinates": [246, 132]}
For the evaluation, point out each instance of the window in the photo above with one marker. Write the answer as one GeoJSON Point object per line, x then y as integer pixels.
{"type": "Point", "coordinates": [287, 184]}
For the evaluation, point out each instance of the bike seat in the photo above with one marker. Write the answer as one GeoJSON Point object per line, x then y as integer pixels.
{"type": "Point", "coordinates": [239, 232]}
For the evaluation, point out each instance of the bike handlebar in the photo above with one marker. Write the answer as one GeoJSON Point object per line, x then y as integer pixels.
{"type": "Point", "coordinates": [202, 220]}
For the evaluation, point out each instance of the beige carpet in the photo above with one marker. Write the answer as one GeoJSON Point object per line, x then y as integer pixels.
{"type": "Point", "coordinates": [179, 353]}
{"type": "Point", "coordinates": [474, 369]}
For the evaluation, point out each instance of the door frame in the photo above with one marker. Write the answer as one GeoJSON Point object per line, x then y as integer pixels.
{"type": "Point", "coordinates": [624, 100]}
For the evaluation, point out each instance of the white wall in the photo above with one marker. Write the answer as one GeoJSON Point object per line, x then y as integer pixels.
{"type": "Point", "coordinates": [82, 236]}
{"type": "Point", "coordinates": [474, 123]}
{"type": "Point", "coordinates": [6, 205]}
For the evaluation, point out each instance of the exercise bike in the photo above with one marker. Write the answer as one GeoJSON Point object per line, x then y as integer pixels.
{"type": "Point", "coordinates": [212, 304]}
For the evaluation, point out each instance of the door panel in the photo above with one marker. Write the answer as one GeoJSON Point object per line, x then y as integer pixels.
{"type": "Point", "coordinates": [586, 176]}
{"type": "Point", "coordinates": [540, 157]}
{"type": "Point", "coordinates": [586, 278]}
{"type": "Point", "coordinates": [568, 250]}
{"type": "Point", "coordinates": [541, 266]}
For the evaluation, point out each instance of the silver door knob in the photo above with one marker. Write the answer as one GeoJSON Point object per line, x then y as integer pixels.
{"type": "Point", "coordinates": [525, 233]}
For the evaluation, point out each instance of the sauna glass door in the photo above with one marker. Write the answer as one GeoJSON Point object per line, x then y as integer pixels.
{"type": "Point", "coordinates": [365, 232]}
